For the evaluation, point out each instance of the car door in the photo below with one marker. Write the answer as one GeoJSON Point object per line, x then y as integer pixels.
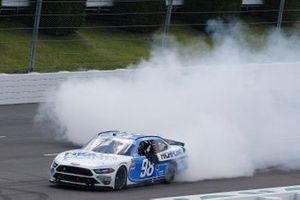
{"type": "Point", "coordinates": [142, 168]}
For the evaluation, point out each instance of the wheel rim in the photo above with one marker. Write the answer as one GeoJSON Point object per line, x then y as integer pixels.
{"type": "Point", "coordinates": [120, 180]}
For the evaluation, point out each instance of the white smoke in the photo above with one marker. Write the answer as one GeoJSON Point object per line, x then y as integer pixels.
{"type": "Point", "coordinates": [236, 105]}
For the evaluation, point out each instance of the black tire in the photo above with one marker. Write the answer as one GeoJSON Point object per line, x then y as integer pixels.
{"type": "Point", "coordinates": [170, 173]}
{"type": "Point", "coordinates": [121, 178]}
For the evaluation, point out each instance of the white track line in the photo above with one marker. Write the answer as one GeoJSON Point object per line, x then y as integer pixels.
{"type": "Point", "coordinates": [50, 154]}
{"type": "Point", "coordinates": [2, 137]}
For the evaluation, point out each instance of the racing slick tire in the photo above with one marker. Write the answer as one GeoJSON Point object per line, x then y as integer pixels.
{"type": "Point", "coordinates": [170, 173]}
{"type": "Point", "coordinates": [121, 178]}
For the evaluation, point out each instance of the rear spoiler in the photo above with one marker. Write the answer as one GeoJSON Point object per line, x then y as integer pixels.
{"type": "Point", "coordinates": [173, 142]}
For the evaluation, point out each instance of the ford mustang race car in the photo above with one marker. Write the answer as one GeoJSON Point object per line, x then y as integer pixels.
{"type": "Point", "coordinates": [116, 159]}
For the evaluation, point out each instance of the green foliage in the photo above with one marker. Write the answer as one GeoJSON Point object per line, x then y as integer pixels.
{"type": "Point", "coordinates": [211, 9]}
{"type": "Point", "coordinates": [62, 17]}
{"type": "Point", "coordinates": [289, 16]}
{"type": "Point", "coordinates": [143, 16]}
{"type": "Point", "coordinates": [272, 7]}
{"type": "Point", "coordinates": [227, 9]}
{"type": "Point", "coordinates": [292, 16]}
{"type": "Point", "coordinates": [200, 19]}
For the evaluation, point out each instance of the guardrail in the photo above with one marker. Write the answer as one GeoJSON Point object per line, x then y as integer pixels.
{"type": "Point", "coordinates": [279, 193]}
{"type": "Point", "coordinates": [33, 87]}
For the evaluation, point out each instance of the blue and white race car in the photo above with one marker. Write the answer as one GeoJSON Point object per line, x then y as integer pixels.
{"type": "Point", "coordinates": [116, 159]}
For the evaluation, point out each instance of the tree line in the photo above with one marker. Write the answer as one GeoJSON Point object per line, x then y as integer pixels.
{"type": "Point", "coordinates": [65, 17]}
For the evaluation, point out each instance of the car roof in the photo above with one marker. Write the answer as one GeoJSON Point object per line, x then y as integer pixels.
{"type": "Point", "coordinates": [126, 135]}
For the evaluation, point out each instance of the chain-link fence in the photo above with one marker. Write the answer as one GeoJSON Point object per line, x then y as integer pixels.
{"type": "Point", "coordinates": [56, 35]}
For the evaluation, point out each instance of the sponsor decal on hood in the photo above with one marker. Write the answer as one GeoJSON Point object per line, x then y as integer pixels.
{"type": "Point", "coordinates": [88, 156]}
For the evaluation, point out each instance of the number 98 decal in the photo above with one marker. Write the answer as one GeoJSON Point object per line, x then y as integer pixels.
{"type": "Point", "coordinates": [147, 168]}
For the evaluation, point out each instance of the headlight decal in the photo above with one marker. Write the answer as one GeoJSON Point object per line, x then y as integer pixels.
{"type": "Point", "coordinates": [104, 171]}
{"type": "Point", "coordinates": [54, 164]}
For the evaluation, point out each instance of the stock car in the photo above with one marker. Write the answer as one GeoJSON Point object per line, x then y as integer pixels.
{"type": "Point", "coordinates": [117, 159]}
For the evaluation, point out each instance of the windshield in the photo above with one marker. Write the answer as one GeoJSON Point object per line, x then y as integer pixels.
{"type": "Point", "coordinates": [110, 145]}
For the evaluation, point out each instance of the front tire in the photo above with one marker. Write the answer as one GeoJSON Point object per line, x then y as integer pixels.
{"type": "Point", "coordinates": [121, 178]}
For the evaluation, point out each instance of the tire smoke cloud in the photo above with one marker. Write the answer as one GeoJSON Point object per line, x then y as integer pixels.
{"type": "Point", "coordinates": [235, 104]}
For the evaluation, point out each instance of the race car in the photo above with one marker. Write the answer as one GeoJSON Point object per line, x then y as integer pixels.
{"type": "Point", "coordinates": [117, 159]}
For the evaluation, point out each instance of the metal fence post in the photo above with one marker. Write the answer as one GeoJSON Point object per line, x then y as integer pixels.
{"type": "Point", "coordinates": [280, 14]}
{"type": "Point", "coordinates": [35, 35]}
{"type": "Point", "coordinates": [167, 24]}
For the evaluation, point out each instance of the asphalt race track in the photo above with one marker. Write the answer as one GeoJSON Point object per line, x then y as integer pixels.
{"type": "Point", "coordinates": [24, 168]}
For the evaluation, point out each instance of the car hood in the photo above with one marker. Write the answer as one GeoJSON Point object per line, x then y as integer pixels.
{"type": "Point", "coordinates": [90, 159]}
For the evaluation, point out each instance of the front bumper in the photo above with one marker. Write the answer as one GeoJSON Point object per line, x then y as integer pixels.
{"type": "Point", "coordinates": [72, 177]}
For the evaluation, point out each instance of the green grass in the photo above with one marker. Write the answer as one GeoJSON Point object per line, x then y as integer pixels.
{"type": "Point", "coordinates": [88, 49]}
{"type": "Point", "coordinates": [101, 49]}
{"type": "Point", "coordinates": [91, 49]}
{"type": "Point", "coordinates": [95, 48]}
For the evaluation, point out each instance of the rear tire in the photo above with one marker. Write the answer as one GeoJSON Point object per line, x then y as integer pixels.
{"type": "Point", "coordinates": [121, 178]}
{"type": "Point", "coordinates": [170, 173]}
